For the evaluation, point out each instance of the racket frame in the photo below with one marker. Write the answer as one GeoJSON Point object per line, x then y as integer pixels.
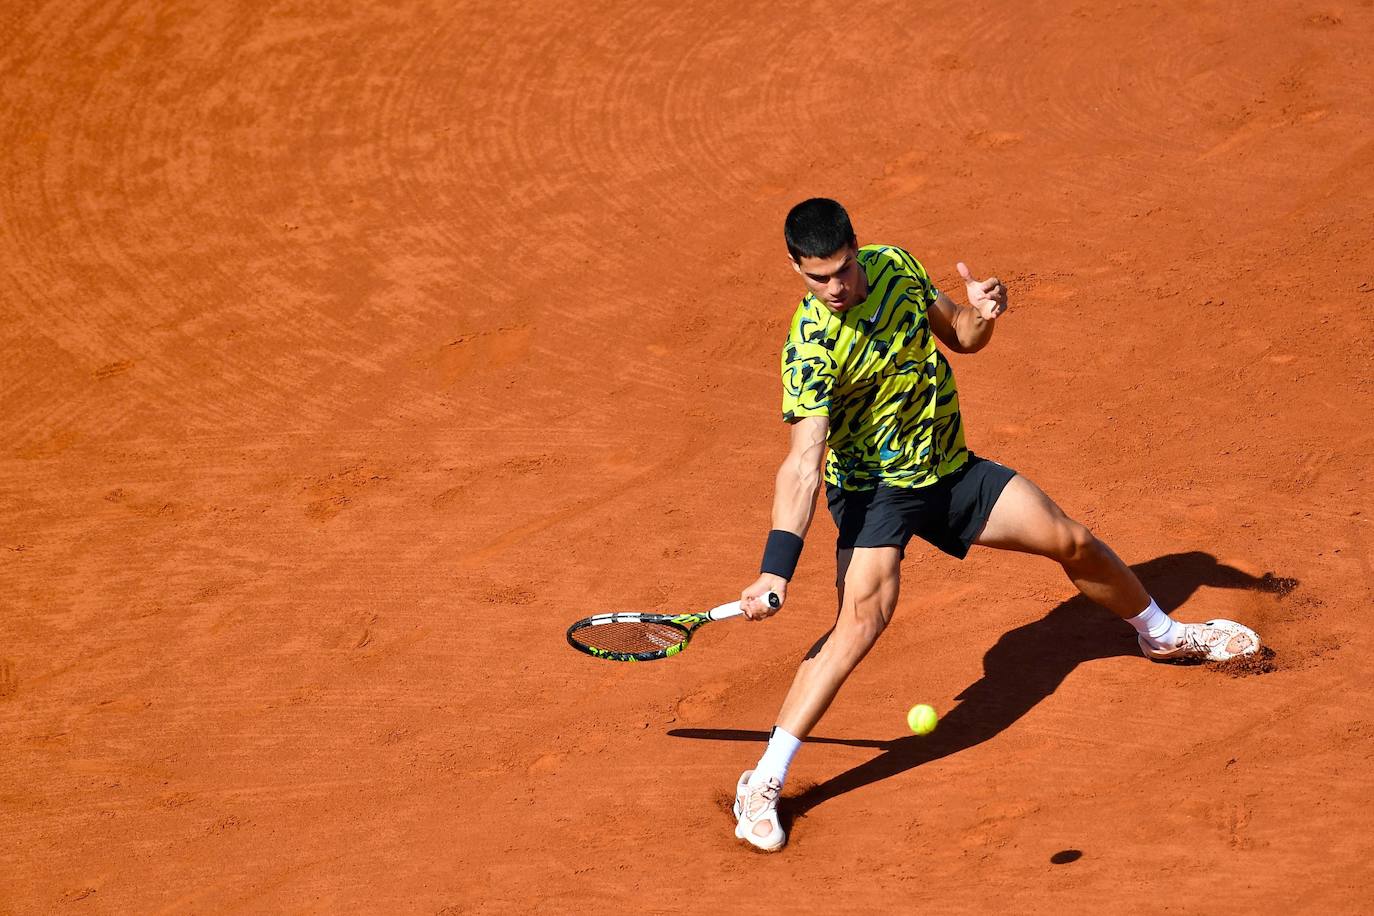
{"type": "Point", "coordinates": [686, 623]}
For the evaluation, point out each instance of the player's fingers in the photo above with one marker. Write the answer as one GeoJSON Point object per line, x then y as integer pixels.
{"type": "Point", "coordinates": [762, 609]}
{"type": "Point", "coordinates": [963, 272]}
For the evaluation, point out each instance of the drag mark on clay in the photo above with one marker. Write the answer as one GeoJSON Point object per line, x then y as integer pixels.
{"type": "Point", "coordinates": [112, 369]}
{"type": "Point", "coordinates": [9, 683]}
{"type": "Point", "coordinates": [337, 491]}
{"type": "Point", "coordinates": [1362, 556]}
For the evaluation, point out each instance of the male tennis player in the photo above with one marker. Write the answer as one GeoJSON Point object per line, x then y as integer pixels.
{"type": "Point", "coordinates": [862, 375]}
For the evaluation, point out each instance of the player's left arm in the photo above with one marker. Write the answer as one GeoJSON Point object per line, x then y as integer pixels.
{"type": "Point", "coordinates": [968, 328]}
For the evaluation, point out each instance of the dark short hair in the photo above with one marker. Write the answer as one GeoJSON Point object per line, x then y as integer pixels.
{"type": "Point", "coordinates": [817, 228]}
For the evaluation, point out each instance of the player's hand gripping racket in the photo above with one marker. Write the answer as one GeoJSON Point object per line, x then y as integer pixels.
{"type": "Point", "coordinates": [634, 637]}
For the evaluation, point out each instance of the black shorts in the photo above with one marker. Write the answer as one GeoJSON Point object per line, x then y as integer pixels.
{"type": "Point", "coordinates": [948, 514]}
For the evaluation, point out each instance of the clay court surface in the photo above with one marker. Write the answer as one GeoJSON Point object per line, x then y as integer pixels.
{"type": "Point", "coordinates": [353, 350]}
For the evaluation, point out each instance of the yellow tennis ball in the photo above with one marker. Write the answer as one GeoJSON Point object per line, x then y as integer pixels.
{"type": "Point", "coordinates": [922, 719]}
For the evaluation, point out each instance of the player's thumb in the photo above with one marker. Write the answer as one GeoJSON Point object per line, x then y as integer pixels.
{"type": "Point", "coordinates": [964, 272]}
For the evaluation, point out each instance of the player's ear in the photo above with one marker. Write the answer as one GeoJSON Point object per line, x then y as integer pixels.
{"type": "Point", "coordinates": [795, 265]}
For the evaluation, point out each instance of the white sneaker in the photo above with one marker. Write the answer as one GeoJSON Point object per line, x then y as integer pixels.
{"type": "Point", "coordinates": [1213, 641]}
{"type": "Point", "coordinates": [756, 809]}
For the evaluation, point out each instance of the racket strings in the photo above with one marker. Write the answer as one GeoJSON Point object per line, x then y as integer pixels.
{"type": "Point", "coordinates": [631, 636]}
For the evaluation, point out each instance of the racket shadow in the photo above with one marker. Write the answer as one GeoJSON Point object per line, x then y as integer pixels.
{"type": "Point", "coordinates": [739, 734]}
{"type": "Point", "coordinates": [1026, 665]}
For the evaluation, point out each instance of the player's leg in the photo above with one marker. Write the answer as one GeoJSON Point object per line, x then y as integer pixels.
{"type": "Point", "coordinates": [1026, 520]}
{"type": "Point", "coordinates": [867, 591]}
{"type": "Point", "coordinates": [867, 583]}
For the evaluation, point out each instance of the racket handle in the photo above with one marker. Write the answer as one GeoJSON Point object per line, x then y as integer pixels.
{"type": "Point", "coordinates": [733, 609]}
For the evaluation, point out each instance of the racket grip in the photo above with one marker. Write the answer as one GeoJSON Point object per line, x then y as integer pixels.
{"type": "Point", "coordinates": [733, 609]}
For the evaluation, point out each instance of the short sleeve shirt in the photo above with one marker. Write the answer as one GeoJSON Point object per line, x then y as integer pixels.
{"type": "Point", "coordinates": [875, 371]}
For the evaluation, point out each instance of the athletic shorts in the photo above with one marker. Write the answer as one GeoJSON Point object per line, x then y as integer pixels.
{"type": "Point", "coordinates": [949, 514]}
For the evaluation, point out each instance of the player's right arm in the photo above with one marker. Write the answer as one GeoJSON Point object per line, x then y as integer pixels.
{"type": "Point", "coordinates": [794, 502]}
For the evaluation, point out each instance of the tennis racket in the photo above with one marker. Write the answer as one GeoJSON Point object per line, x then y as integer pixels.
{"type": "Point", "coordinates": [631, 637]}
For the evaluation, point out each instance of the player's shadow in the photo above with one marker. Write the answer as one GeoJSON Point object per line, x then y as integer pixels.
{"type": "Point", "coordinates": [1026, 665]}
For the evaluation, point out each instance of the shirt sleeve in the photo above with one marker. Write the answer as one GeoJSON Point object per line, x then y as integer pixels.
{"type": "Point", "coordinates": [808, 371]}
{"type": "Point", "coordinates": [917, 272]}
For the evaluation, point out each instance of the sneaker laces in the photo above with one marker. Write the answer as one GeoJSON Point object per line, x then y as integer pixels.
{"type": "Point", "coordinates": [1194, 639]}
{"type": "Point", "coordinates": [761, 798]}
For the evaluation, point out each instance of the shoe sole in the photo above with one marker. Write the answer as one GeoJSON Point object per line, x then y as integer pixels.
{"type": "Point", "coordinates": [755, 846]}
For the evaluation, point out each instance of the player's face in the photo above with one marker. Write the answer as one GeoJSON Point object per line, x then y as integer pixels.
{"type": "Point", "coordinates": [837, 280]}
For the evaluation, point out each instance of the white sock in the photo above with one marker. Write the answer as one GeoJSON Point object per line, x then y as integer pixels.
{"type": "Point", "coordinates": [777, 757]}
{"type": "Point", "coordinates": [1159, 629]}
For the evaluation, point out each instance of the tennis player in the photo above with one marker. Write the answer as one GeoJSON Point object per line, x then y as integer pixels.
{"type": "Point", "coordinates": [863, 379]}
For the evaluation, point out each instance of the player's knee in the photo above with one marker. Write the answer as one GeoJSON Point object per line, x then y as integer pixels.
{"type": "Point", "coordinates": [869, 627]}
{"type": "Point", "coordinates": [1077, 544]}
{"type": "Point", "coordinates": [853, 642]}
{"type": "Point", "coordinates": [862, 623]}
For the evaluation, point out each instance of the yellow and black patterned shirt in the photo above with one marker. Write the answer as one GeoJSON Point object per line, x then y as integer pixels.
{"type": "Point", "coordinates": [875, 372]}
